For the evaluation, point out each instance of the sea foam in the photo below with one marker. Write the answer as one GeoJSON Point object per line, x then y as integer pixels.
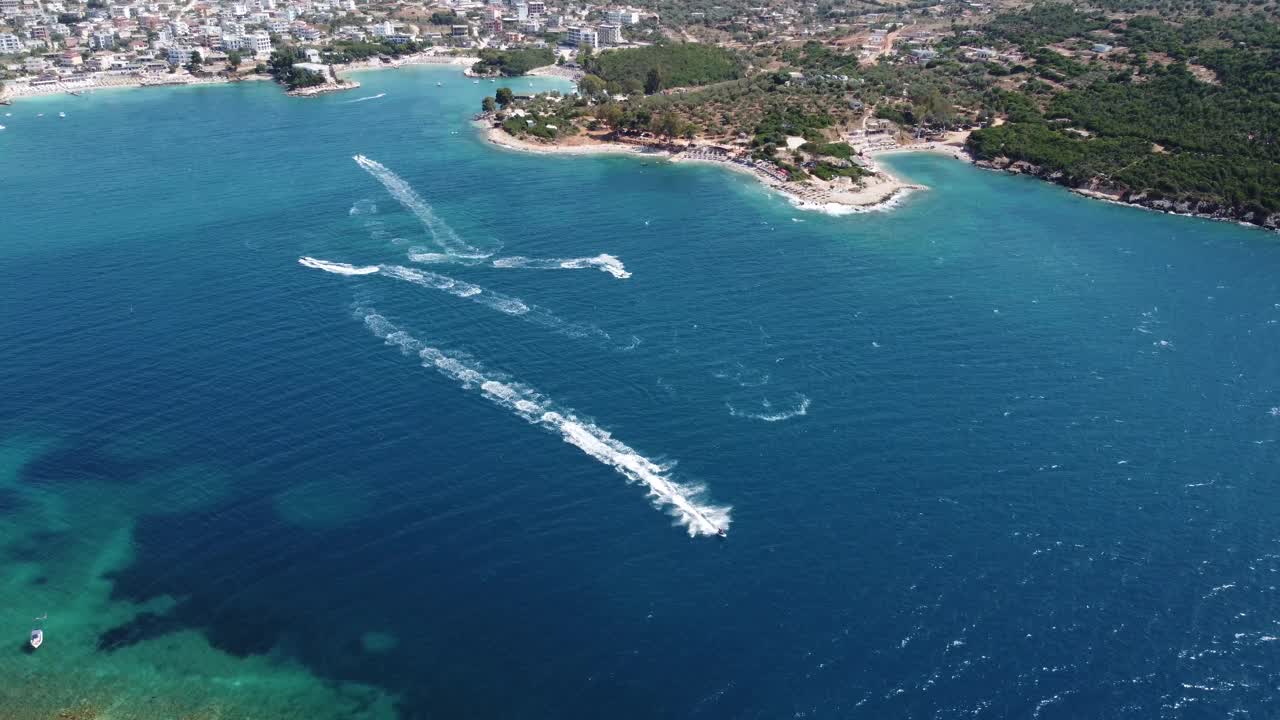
{"type": "Point", "coordinates": [337, 267]}
{"type": "Point", "coordinates": [681, 501]}
{"type": "Point", "coordinates": [769, 414]}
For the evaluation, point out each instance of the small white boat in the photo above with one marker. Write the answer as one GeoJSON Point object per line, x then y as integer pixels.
{"type": "Point", "coordinates": [492, 80]}
{"type": "Point", "coordinates": [62, 114]}
{"type": "Point", "coordinates": [37, 638]}
{"type": "Point", "coordinates": [39, 114]}
{"type": "Point", "coordinates": [475, 82]}
{"type": "Point", "coordinates": [439, 84]}
{"type": "Point", "coordinates": [1, 127]}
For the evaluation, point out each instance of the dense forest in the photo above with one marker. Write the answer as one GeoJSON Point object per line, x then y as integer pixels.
{"type": "Point", "coordinates": [1155, 127]}
{"type": "Point", "coordinates": [656, 67]}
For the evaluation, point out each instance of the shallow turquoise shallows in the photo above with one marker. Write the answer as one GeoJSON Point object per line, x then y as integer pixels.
{"type": "Point", "coordinates": [1000, 452]}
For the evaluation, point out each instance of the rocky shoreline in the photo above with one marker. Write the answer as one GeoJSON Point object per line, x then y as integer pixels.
{"type": "Point", "coordinates": [330, 87]}
{"type": "Point", "coordinates": [1099, 190]}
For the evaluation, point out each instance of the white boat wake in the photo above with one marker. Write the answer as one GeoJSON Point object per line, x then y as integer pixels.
{"type": "Point", "coordinates": [370, 97]}
{"type": "Point", "coordinates": [605, 262]}
{"type": "Point", "coordinates": [461, 289]}
{"type": "Point", "coordinates": [337, 267]}
{"type": "Point", "coordinates": [444, 235]}
{"type": "Point", "coordinates": [679, 500]}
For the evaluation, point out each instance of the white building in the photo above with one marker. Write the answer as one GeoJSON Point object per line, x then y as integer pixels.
{"type": "Point", "coordinates": [179, 55]}
{"type": "Point", "coordinates": [101, 40]}
{"type": "Point", "coordinates": [9, 44]}
{"type": "Point", "coordinates": [259, 43]}
{"type": "Point", "coordinates": [609, 34]}
{"type": "Point", "coordinates": [580, 36]}
{"type": "Point", "coordinates": [383, 29]}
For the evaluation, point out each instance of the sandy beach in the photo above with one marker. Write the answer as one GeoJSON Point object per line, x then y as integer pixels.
{"type": "Point", "coordinates": [838, 197]}
{"type": "Point", "coordinates": [18, 90]}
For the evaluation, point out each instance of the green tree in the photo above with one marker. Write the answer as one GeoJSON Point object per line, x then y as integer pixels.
{"type": "Point", "coordinates": [652, 81]}
{"type": "Point", "coordinates": [584, 55]}
{"type": "Point", "coordinates": [504, 96]}
{"type": "Point", "coordinates": [488, 105]}
{"type": "Point", "coordinates": [234, 58]}
{"type": "Point", "coordinates": [196, 61]}
{"type": "Point", "coordinates": [591, 85]}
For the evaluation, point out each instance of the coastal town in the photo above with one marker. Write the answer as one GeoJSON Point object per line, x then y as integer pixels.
{"type": "Point", "coordinates": [801, 95]}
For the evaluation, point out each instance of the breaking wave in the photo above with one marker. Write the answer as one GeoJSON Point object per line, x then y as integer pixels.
{"type": "Point", "coordinates": [444, 235]}
{"type": "Point", "coordinates": [681, 501]}
{"type": "Point", "coordinates": [607, 263]}
{"type": "Point", "coordinates": [337, 267]}
{"type": "Point", "coordinates": [769, 414]}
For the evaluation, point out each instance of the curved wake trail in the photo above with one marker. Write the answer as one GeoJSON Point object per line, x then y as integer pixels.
{"type": "Point", "coordinates": [799, 409]}
{"type": "Point", "coordinates": [525, 402]}
{"type": "Point", "coordinates": [444, 235]}
{"type": "Point", "coordinates": [370, 97]}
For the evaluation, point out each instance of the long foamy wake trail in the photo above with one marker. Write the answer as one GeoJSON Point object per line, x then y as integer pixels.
{"type": "Point", "coordinates": [681, 501]}
{"type": "Point", "coordinates": [496, 301]}
{"type": "Point", "coordinates": [364, 99]}
{"type": "Point", "coordinates": [444, 235]}
{"type": "Point", "coordinates": [337, 267]}
{"type": "Point", "coordinates": [607, 263]}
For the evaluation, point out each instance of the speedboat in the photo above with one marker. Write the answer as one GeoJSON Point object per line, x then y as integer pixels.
{"type": "Point", "coordinates": [475, 82]}
{"type": "Point", "coordinates": [1, 127]}
{"type": "Point", "coordinates": [37, 638]}
{"type": "Point", "coordinates": [439, 84]}
{"type": "Point", "coordinates": [62, 114]}
{"type": "Point", "coordinates": [721, 533]}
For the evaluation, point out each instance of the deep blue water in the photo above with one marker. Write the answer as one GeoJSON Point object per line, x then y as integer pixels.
{"type": "Point", "coordinates": [1035, 475]}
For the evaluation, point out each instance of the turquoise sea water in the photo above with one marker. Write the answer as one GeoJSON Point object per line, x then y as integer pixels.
{"type": "Point", "coordinates": [1001, 452]}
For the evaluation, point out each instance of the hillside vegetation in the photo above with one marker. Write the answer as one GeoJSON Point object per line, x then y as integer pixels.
{"type": "Point", "coordinates": [635, 70]}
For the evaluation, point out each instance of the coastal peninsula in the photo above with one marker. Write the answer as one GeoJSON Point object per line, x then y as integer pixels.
{"type": "Point", "coordinates": [1166, 106]}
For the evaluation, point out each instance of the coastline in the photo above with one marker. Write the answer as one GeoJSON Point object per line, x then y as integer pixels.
{"type": "Point", "coordinates": [21, 91]}
{"type": "Point", "coordinates": [881, 191]}
{"type": "Point", "coordinates": [14, 91]}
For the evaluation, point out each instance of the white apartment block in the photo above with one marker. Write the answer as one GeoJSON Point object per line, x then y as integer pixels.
{"type": "Point", "coordinates": [580, 36]}
{"type": "Point", "coordinates": [179, 55]}
{"type": "Point", "coordinates": [9, 44]}
{"type": "Point", "coordinates": [259, 43]}
{"type": "Point", "coordinates": [103, 40]}
{"type": "Point", "coordinates": [609, 34]}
